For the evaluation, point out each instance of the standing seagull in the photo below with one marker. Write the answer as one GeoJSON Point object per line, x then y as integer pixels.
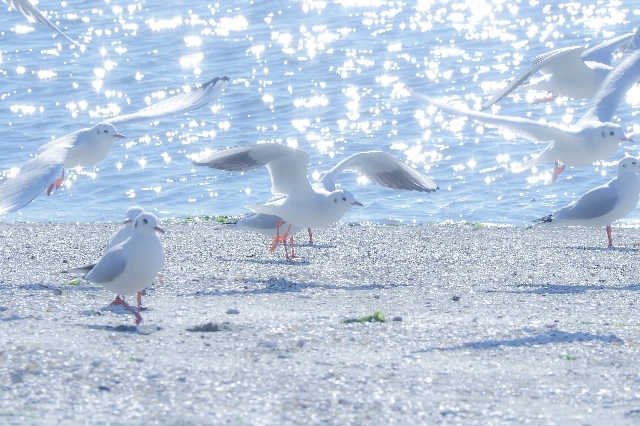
{"type": "Point", "coordinates": [131, 265]}
{"type": "Point", "coordinates": [89, 146]}
{"type": "Point", "coordinates": [379, 167]}
{"type": "Point", "coordinates": [125, 230]}
{"type": "Point", "coordinates": [30, 11]}
{"type": "Point", "coordinates": [604, 204]}
{"type": "Point", "coordinates": [575, 72]}
{"type": "Point", "coordinates": [593, 137]}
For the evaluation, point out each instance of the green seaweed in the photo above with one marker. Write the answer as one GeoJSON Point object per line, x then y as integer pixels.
{"type": "Point", "coordinates": [377, 316]}
{"type": "Point", "coordinates": [74, 282]}
{"type": "Point", "coordinates": [569, 357]}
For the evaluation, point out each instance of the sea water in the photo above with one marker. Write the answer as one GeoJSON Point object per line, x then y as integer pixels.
{"type": "Point", "coordinates": [329, 77]}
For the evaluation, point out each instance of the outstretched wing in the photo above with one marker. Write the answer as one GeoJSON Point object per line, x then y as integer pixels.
{"type": "Point", "coordinates": [603, 52]}
{"type": "Point", "coordinates": [109, 267]}
{"type": "Point", "coordinates": [545, 61]}
{"type": "Point", "coordinates": [36, 175]}
{"type": "Point", "coordinates": [523, 127]}
{"type": "Point", "coordinates": [30, 11]}
{"type": "Point", "coordinates": [381, 168]}
{"type": "Point", "coordinates": [614, 88]}
{"type": "Point", "coordinates": [287, 165]}
{"type": "Point", "coordinates": [175, 105]}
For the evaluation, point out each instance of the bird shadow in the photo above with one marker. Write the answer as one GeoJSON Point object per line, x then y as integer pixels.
{"type": "Point", "coordinates": [53, 287]}
{"type": "Point", "coordinates": [545, 338]}
{"type": "Point", "coordinates": [598, 248]}
{"type": "Point", "coordinates": [293, 262]}
{"type": "Point", "coordinates": [563, 288]}
{"type": "Point", "coordinates": [118, 328]}
{"type": "Point", "coordinates": [281, 285]}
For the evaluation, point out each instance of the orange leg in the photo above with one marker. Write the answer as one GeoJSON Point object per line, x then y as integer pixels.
{"type": "Point", "coordinates": [119, 301]}
{"type": "Point", "coordinates": [610, 235]}
{"type": "Point", "coordinates": [550, 97]}
{"type": "Point", "coordinates": [277, 239]}
{"type": "Point", "coordinates": [556, 171]}
{"type": "Point", "coordinates": [56, 184]}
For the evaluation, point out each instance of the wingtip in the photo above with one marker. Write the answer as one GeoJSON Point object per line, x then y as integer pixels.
{"type": "Point", "coordinates": [214, 81]}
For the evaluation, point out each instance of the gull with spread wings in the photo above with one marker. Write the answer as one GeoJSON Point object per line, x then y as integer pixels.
{"type": "Point", "coordinates": [86, 147]}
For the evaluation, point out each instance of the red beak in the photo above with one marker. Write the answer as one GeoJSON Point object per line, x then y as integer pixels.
{"type": "Point", "coordinates": [355, 203]}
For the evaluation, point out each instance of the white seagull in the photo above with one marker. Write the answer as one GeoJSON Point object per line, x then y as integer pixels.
{"type": "Point", "coordinates": [132, 265]}
{"type": "Point", "coordinates": [312, 206]}
{"type": "Point", "coordinates": [575, 72]}
{"type": "Point", "coordinates": [32, 13]}
{"type": "Point", "coordinates": [593, 137]}
{"type": "Point", "coordinates": [125, 230]}
{"type": "Point", "coordinates": [89, 146]}
{"type": "Point", "coordinates": [604, 204]}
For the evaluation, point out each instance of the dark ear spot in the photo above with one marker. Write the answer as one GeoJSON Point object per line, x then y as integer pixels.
{"type": "Point", "coordinates": [335, 200]}
{"type": "Point", "coordinates": [603, 133]}
{"type": "Point", "coordinates": [136, 224]}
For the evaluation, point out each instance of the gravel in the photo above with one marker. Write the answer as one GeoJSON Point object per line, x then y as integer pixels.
{"type": "Point", "coordinates": [484, 325]}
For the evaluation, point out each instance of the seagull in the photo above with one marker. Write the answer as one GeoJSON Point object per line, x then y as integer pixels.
{"type": "Point", "coordinates": [125, 230]}
{"type": "Point", "coordinates": [89, 146]}
{"type": "Point", "coordinates": [32, 13]}
{"type": "Point", "coordinates": [604, 204]}
{"type": "Point", "coordinates": [575, 72]}
{"type": "Point", "coordinates": [130, 266]}
{"type": "Point", "coordinates": [593, 137]}
{"type": "Point", "coordinates": [306, 205]}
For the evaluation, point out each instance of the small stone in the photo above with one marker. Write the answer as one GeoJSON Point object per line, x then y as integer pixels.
{"type": "Point", "coordinates": [206, 328]}
{"type": "Point", "coordinates": [147, 328]}
{"type": "Point", "coordinates": [57, 292]}
{"type": "Point", "coordinates": [233, 311]}
{"type": "Point", "coordinates": [377, 296]}
{"type": "Point", "coordinates": [104, 388]}
{"type": "Point", "coordinates": [397, 318]}
{"type": "Point", "coordinates": [16, 378]}
{"type": "Point", "coordinates": [267, 344]}
{"type": "Point", "coordinates": [300, 343]}
{"type": "Point", "coordinates": [456, 298]}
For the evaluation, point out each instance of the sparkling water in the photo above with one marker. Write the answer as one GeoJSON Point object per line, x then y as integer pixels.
{"type": "Point", "coordinates": [327, 77]}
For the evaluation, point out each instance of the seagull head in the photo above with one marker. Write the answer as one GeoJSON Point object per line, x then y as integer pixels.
{"type": "Point", "coordinates": [343, 199]}
{"type": "Point", "coordinates": [107, 130]}
{"type": "Point", "coordinates": [613, 132]}
{"type": "Point", "coordinates": [132, 213]}
{"type": "Point", "coordinates": [147, 223]}
{"type": "Point", "coordinates": [629, 164]}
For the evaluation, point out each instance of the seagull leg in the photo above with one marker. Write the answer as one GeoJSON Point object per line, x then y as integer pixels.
{"type": "Point", "coordinates": [550, 97]}
{"type": "Point", "coordinates": [610, 235]}
{"type": "Point", "coordinates": [56, 184]}
{"type": "Point", "coordinates": [310, 236]}
{"type": "Point", "coordinates": [119, 301]}
{"type": "Point", "coordinates": [557, 170]}
{"type": "Point", "coordinates": [293, 255]}
{"type": "Point", "coordinates": [278, 238]}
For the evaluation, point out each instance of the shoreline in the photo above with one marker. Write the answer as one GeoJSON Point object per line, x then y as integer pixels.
{"type": "Point", "coordinates": [498, 324]}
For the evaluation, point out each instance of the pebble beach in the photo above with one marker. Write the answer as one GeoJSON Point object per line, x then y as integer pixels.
{"type": "Point", "coordinates": [482, 325]}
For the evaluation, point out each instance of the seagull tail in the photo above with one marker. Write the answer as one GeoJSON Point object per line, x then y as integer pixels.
{"type": "Point", "coordinates": [83, 270]}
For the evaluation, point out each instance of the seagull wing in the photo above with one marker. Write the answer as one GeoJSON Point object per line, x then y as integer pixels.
{"type": "Point", "coordinates": [175, 105]}
{"type": "Point", "coordinates": [603, 52]}
{"type": "Point", "coordinates": [595, 203]}
{"type": "Point", "coordinates": [30, 11]}
{"type": "Point", "coordinates": [613, 89]}
{"type": "Point", "coordinates": [381, 168]}
{"type": "Point", "coordinates": [36, 175]}
{"type": "Point", "coordinates": [109, 267]}
{"type": "Point", "coordinates": [287, 165]}
{"type": "Point", "coordinates": [522, 127]}
{"type": "Point", "coordinates": [549, 63]}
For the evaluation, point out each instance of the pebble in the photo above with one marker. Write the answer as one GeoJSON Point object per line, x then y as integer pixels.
{"type": "Point", "coordinates": [233, 311]}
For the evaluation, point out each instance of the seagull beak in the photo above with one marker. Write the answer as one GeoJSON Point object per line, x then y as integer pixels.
{"type": "Point", "coordinates": [158, 229]}
{"type": "Point", "coordinates": [118, 136]}
{"type": "Point", "coordinates": [128, 221]}
{"type": "Point", "coordinates": [626, 139]}
{"type": "Point", "coordinates": [356, 203]}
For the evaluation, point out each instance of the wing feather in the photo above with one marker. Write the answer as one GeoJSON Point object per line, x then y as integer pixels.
{"type": "Point", "coordinates": [381, 168]}
{"type": "Point", "coordinates": [109, 267]}
{"type": "Point", "coordinates": [30, 11]}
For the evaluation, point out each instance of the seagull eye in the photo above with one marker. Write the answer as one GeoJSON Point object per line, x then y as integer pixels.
{"type": "Point", "coordinates": [145, 220]}
{"type": "Point", "coordinates": [611, 133]}
{"type": "Point", "coordinates": [106, 131]}
{"type": "Point", "coordinates": [344, 198]}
